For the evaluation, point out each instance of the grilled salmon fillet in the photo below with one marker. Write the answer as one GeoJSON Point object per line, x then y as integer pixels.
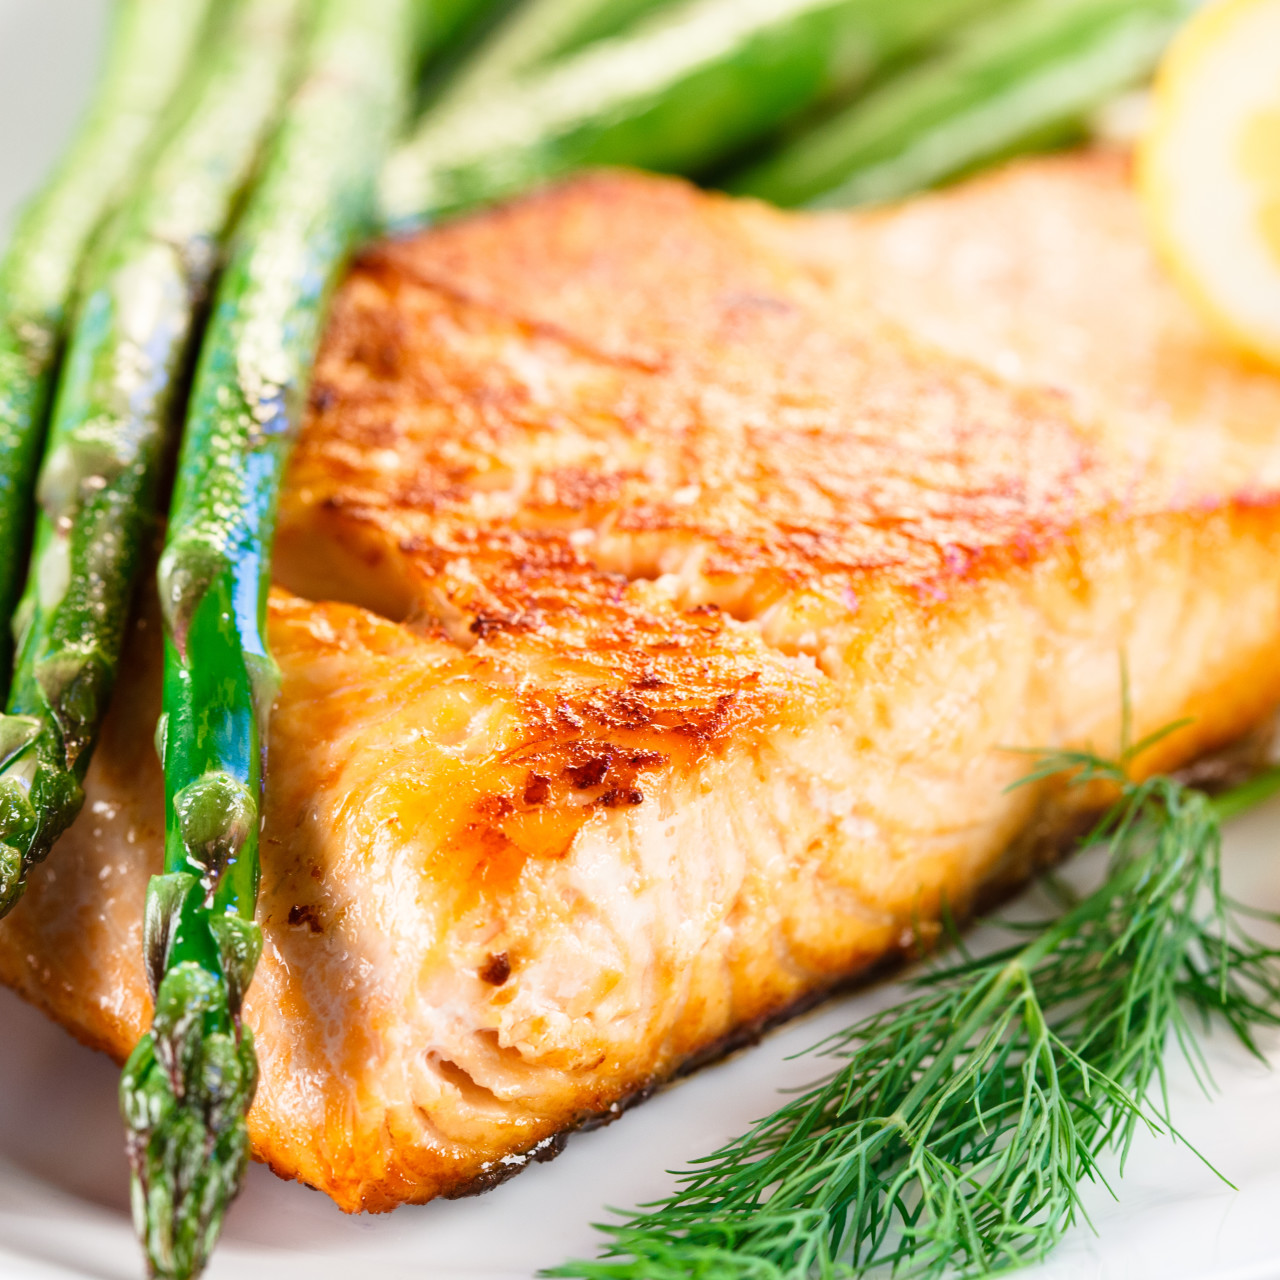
{"type": "Point", "coordinates": [663, 582]}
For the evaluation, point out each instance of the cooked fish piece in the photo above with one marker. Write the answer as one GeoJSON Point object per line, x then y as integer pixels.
{"type": "Point", "coordinates": [664, 582]}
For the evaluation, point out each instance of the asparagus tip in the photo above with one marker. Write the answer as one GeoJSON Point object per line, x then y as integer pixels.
{"type": "Point", "coordinates": [185, 1094]}
{"type": "Point", "coordinates": [76, 682]}
{"type": "Point", "coordinates": [17, 825]}
{"type": "Point", "coordinates": [37, 804]}
{"type": "Point", "coordinates": [10, 877]}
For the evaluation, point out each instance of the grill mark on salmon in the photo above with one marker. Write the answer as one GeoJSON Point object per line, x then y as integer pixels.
{"type": "Point", "coordinates": [661, 580]}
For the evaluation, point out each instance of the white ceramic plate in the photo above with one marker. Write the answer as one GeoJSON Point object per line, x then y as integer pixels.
{"type": "Point", "coordinates": [63, 1183]}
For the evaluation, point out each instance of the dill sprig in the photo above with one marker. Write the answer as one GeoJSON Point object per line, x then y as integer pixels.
{"type": "Point", "coordinates": [954, 1130]}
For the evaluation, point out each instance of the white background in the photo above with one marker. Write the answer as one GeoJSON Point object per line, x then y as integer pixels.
{"type": "Point", "coordinates": [63, 1186]}
{"type": "Point", "coordinates": [48, 52]}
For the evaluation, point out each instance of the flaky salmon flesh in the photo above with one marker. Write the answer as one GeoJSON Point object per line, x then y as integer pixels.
{"type": "Point", "coordinates": [663, 582]}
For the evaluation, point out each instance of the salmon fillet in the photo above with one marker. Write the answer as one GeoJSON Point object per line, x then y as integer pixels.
{"type": "Point", "coordinates": [662, 582]}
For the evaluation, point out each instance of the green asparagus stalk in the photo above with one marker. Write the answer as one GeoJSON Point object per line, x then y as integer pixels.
{"type": "Point", "coordinates": [1029, 78]}
{"type": "Point", "coordinates": [689, 88]}
{"type": "Point", "coordinates": [124, 372]}
{"type": "Point", "coordinates": [443, 24]}
{"type": "Point", "coordinates": [187, 1087]}
{"type": "Point", "coordinates": [537, 32]}
{"type": "Point", "coordinates": [148, 53]}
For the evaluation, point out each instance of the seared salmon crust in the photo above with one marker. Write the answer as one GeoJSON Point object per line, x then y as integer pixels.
{"type": "Point", "coordinates": [663, 582]}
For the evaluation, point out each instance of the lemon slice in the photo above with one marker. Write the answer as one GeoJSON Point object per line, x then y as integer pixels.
{"type": "Point", "coordinates": [1209, 168]}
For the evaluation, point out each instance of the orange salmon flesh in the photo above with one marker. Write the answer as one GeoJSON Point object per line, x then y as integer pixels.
{"type": "Point", "coordinates": [662, 582]}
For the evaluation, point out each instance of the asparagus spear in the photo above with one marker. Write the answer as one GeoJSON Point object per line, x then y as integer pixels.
{"type": "Point", "coordinates": [123, 373]}
{"type": "Point", "coordinates": [443, 27]}
{"type": "Point", "coordinates": [686, 90]}
{"type": "Point", "coordinates": [151, 41]}
{"type": "Point", "coordinates": [442, 21]}
{"type": "Point", "coordinates": [188, 1086]}
{"type": "Point", "coordinates": [1032, 76]}
{"type": "Point", "coordinates": [537, 32]}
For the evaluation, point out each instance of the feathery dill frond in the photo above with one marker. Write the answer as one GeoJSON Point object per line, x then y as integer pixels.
{"type": "Point", "coordinates": [953, 1131]}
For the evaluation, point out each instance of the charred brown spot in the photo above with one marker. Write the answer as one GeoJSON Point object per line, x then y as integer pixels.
{"type": "Point", "coordinates": [537, 790]}
{"type": "Point", "coordinates": [380, 344]}
{"type": "Point", "coordinates": [621, 796]}
{"type": "Point", "coordinates": [590, 774]}
{"type": "Point", "coordinates": [487, 624]}
{"type": "Point", "coordinates": [496, 806]}
{"type": "Point", "coordinates": [496, 969]}
{"type": "Point", "coordinates": [323, 398]}
{"type": "Point", "coordinates": [306, 914]}
{"type": "Point", "coordinates": [567, 718]}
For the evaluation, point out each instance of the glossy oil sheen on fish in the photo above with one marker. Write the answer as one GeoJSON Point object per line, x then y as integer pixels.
{"type": "Point", "coordinates": [663, 581]}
